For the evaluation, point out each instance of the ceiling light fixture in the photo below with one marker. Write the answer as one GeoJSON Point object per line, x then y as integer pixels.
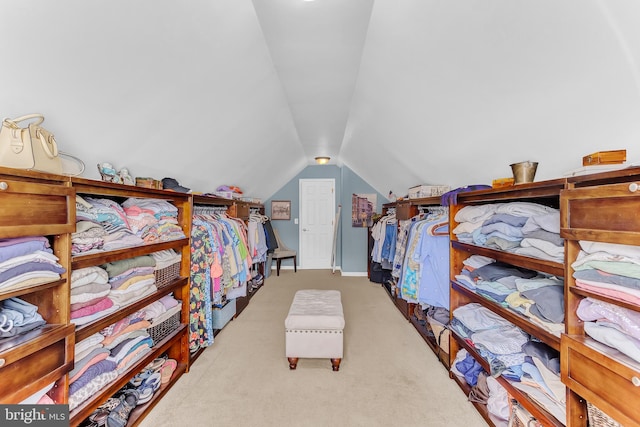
{"type": "Point", "coordinates": [322, 160]}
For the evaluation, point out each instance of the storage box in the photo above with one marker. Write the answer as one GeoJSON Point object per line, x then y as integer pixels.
{"type": "Point", "coordinates": [605, 158]}
{"type": "Point", "coordinates": [164, 329]}
{"type": "Point", "coordinates": [441, 333]}
{"type": "Point", "coordinates": [224, 194]}
{"type": "Point", "coordinates": [420, 191]}
{"type": "Point", "coordinates": [165, 276]}
{"type": "Point", "coordinates": [597, 418]}
{"type": "Point", "coordinates": [148, 183]}
{"type": "Point", "coordinates": [502, 182]}
{"type": "Point", "coordinates": [222, 316]}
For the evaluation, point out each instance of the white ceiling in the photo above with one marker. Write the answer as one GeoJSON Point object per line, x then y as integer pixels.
{"type": "Point", "coordinates": [403, 92]}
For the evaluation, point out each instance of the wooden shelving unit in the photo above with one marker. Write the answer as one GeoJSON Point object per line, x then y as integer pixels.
{"type": "Point", "coordinates": [175, 345]}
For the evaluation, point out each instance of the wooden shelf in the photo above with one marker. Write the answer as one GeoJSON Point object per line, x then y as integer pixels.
{"type": "Point", "coordinates": [430, 339]}
{"type": "Point", "coordinates": [536, 410]}
{"type": "Point", "coordinates": [615, 301]}
{"type": "Point", "coordinates": [517, 319]}
{"type": "Point", "coordinates": [94, 188]}
{"type": "Point", "coordinates": [99, 258]}
{"type": "Point", "coordinates": [545, 193]}
{"type": "Point", "coordinates": [43, 205]}
{"type": "Point", "coordinates": [30, 289]}
{"type": "Point", "coordinates": [86, 408]}
{"type": "Point", "coordinates": [212, 200]}
{"type": "Point", "coordinates": [601, 208]}
{"type": "Point", "coordinates": [545, 266]}
{"type": "Point", "coordinates": [89, 329]}
{"type": "Point", "coordinates": [481, 408]}
{"type": "Point", "coordinates": [534, 191]}
{"type": "Point", "coordinates": [32, 360]}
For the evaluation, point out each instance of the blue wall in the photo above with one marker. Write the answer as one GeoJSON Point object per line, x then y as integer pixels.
{"type": "Point", "coordinates": [351, 249]}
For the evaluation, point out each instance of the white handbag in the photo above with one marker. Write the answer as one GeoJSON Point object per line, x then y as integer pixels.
{"type": "Point", "coordinates": [34, 148]}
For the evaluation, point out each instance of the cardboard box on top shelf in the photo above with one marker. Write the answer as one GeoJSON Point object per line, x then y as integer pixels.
{"type": "Point", "coordinates": [605, 158]}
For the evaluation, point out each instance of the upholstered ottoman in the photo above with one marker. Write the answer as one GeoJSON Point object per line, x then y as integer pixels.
{"type": "Point", "coordinates": [313, 327]}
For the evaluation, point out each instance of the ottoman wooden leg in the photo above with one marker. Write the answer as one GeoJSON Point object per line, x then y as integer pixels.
{"type": "Point", "coordinates": [335, 364]}
{"type": "Point", "coordinates": [293, 362]}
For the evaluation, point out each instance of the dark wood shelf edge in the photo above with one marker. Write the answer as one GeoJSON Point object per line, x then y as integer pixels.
{"type": "Point", "coordinates": [538, 412]}
{"type": "Point", "coordinates": [481, 408]}
{"type": "Point", "coordinates": [402, 306]}
{"type": "Point", "coordinates": [30, 289]}
{"type": "Point", "coordinates": [534, 190]}
{"type": "Point", "coordinates": [545, 266]}
{"type": "Point", "coordinates": [91, 328]}
{"type": "Point", "coordinates": [140, 412]}
{"type": "Point", "coordinates": [37, 339]}
{"type": "Point", "coordinates": [23, 393]}
{"type": "Point", "coordinates": [517, 319]}
{"type": "Point", "coordinates": [95, 187]}
{"type": "Point", "coordinates": [605, 298]}
{"type": "Point", "coordinates": [99, 258]}
{"type": "Point", "coordinates": [441, 354]}
{"type": "Point", "coordinates": [86, 408]}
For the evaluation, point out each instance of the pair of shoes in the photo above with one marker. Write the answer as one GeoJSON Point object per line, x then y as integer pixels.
{"type": "Point", "coordinates": [140, 377]}
{"type": "Point", "coordinates": [156, 364]}
{"type": "Point", "coordinates": [419, 314]}
{"type": "Point", "coordinates": [148, 387]}
{"type": "Point", "coordinates": [119, 416]}
{"type": "Point", "coordinates": [259, 279]}
{"type": "Point", "coordinates": [167, 370]}
{"type": "Point", "coordinates": [99, 416]}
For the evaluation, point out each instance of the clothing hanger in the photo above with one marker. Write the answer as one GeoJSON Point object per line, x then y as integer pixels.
{"type": "Point", "coordinates": [6, 324]}
{"type": "Point", "coordinates": [433, 229]}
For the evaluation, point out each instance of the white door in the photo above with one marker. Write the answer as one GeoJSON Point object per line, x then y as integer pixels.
{"type": "Point", "coordinates": [317, 214]}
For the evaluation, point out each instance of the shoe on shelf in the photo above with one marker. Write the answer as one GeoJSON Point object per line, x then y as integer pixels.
{"type": "Point", "coordinates": [167, 370]}
{"type": "Point", "coordinates": [99, 416]}
{"type": "Point", "coordinates": [156, 364]}
{"type": "Point", "coordinates": [419, 314]}
{"type": "Point", "coordinates": [140, 376]}
{"type": "Point", "coordinates": [119, 416]}
{"type": "Point", "coordinates": [148, 387]}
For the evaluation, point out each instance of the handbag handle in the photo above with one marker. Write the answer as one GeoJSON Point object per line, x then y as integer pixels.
{"type": "Point", "coordinates": [14, 122]}
{"type": "Point", "coordinates": [51, 152]}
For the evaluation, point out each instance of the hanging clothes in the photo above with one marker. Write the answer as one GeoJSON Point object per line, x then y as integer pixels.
{"type": "Point", "coordinates": [424, 272]}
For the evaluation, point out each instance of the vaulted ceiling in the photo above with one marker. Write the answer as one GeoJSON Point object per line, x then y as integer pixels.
{"type": "Point", "coordinates": [403, 92]}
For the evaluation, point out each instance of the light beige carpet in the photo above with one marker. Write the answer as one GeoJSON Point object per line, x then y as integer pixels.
{"type": "Point", "coordinates": [388, 377]}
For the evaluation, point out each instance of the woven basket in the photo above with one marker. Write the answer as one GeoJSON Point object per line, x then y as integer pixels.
{"type": "Point", "coordinates": [520, 417]}
{"type": "Point", "coordinates": [166, 275]}
{"type": "Point", "coordinates": [441, 333]}
{"type": "Point", "coordinates": [597, 418]}
{"type": "Point", "coordinates": [163, 329]}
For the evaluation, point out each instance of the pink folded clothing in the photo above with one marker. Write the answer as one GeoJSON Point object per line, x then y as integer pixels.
{"type": "Point", "coordinates": [609, 290]}
{"type": "Point", "coordinates": [101, 305]}
{"type": "Point", "coordinates": [79, 305]}
{"type": "Point", "coordinates": [93, 361]}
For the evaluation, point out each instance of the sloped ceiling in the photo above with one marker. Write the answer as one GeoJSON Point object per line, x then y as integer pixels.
{"type": "Point", "coordinates": [403, 92]}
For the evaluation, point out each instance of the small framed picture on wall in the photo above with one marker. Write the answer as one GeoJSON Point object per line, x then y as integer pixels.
{"type": "Point", "coordinates": [281, 209]}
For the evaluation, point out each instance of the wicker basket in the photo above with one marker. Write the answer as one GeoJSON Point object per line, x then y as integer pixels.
{"type": "Point", "coordinates": [597, 418]}
{"type": "Point", "coordinates": [520, 417]}
{"type": "Point", "coordinates": [163, 329]}
{"type": "Point", "coordinates": [166, 275]}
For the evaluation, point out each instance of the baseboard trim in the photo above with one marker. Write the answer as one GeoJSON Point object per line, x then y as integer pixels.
{"type": "Point", "coordinates": [337, 269]}
{"type": "Point", "coordinates": [354, 273]}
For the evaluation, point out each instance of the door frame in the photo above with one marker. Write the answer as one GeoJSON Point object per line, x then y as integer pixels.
{"type": "Point", "coordinates": [300, 210]}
